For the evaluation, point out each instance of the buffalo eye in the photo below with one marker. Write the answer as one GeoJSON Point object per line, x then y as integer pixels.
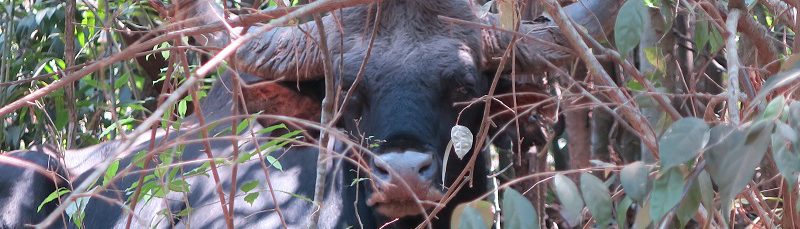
{"type": "Point", "coordinates": [461, 93]}
{"type": "Point", "coordinates": [356, 105]}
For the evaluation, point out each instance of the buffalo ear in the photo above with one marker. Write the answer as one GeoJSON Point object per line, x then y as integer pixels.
{"type": "Point", "coordinates": [282, 53]}
{"type": "Point", "coordinates": [535, 109]}
{"type": "Point", "coordinates": [532, 95]}
{"type": "Point", "coordinates": [549, 45]}
{"type": "Point", "coordinates": [275, 98]}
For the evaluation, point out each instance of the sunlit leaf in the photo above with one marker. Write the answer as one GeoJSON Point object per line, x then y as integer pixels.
{"type": "Point", "coordinates": [274, 162]}
{"type": "Point", "coordinates": [251, 197]}
{"type": "Point", "coordinates": [179, 186]}
{"type": "Point", "coordinates": [247, 187]}
{"type": "Point", "coordinates": [55, 194]}
{"type": "Point", "coordinates": [242, 126]}
{"type": "Point", "coordinates": [111, 171]}
{"type": "Point", "coordinates": [182, 108]}
{"type": "Point", "coordinates": [462, 140]}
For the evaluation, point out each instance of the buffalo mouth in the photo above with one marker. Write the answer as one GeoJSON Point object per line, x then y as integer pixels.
{"type": "Point", "coordinates": [398, 202]}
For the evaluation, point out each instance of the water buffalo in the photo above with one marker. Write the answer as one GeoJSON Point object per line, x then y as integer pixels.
{"type": "Point", "coordinates": [407, 96]}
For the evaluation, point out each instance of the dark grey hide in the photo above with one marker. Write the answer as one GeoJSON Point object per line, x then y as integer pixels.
{"type": "Point", "coordinates": [23, 189]}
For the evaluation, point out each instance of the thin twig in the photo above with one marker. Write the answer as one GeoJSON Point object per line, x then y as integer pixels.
{"type": "Point", "coordinates": [637, 121]}
{"type": "Point", "coordinates": [315, 7]}
{"type": "Point", "coordinates": [327, 114]}
{"type": "Point", "coordinates": [69, 59]}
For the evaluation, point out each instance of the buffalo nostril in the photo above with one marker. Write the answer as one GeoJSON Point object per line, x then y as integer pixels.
{"type": "Point", "coordinates": [380, 169]}
{"type": "Point", "coordinates": [425, 165]}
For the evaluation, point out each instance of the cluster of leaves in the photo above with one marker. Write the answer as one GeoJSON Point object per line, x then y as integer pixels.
{"type": "Point", "coordinates": [33, 45]}
{"type": "Point", "coordinates": [705, 168]}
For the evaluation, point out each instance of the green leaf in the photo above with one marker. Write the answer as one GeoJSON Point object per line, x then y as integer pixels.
{"type": "Point", "coordinates": [201, 170]}
{"type": "Point", "coordinates": [666, 193]}
{"type": "Point", "coordinates": [622, 212]}
{"type": "Point", "coordinates": [114, 126]}
{"type": "Point", "coordinates": [794, 114]}
{"type": "Point", "coordinates": [715, 40]}
{"type": "Point", "coordinates": [250, 198]}
{"type": "Point", "coordinates": [484, 209]}
{"type": "Point", "coordinates": [165, 53]}
{"type": "Point", "coordinates": [786, 159]}
{"type": "Point", "coordinates": [55, 194]}
{"type": "Point", "coordinates": [776, 81]}
{"type": "Point", "coordinates": [706, 190]}
{"type": "Point", "coordinates": [470, 219]}
{"type": "Point", "coordinates": [356, 180]}
{"type": "Point", "coordinates": [139, 158]}
{"type": "Point", "coordinates": [118, 83]}
{"type": "Point", "coordinates": [62, 115]}
{"type": "Point", "coordinates": [774, 108]}
{"type": "Point", "coordinates": [111, 171]}
{"type": "Point", "coordinates": [518, 212]}
{"type": "Point", "coordinates": [642, 219]}
{"type": "Point", "coordinates": [182, 108]}
{"type": "Point", "coordinates": [597, 199]}
{"type": "Point", "coordinates": [635, 180]}
{"type": "Point", "coordinates": [629, 26]}
{"type": "Point", "coordinates": [274, 162]}
{"type": "Point", "coordinates": [668, 14]}
{"type": "Point", "coordinates": [701, 35]}
{"type": "Point", "coordinates": [247, 187]}
{"type": "Point", "coordinates": [75, 210]}
{"type": "Point", "coordinates": [272, 128]}
{"type": "Point", "coordinates": [185, 212]}
{"type": "Point", "coordinates": [733, 162]}
{"type": "Point", "coordinates": [654, 56]}
{"type": "Point", "coordinates": [689, 205]}
{"type": "Point", "coordinates": [570, 198]}
{"type": "Point", "coordinates": [682, 141]}
{"type": "Point", "coordinates": [179, 186]}
{"type": "Point", "coordinates": [242, 126]}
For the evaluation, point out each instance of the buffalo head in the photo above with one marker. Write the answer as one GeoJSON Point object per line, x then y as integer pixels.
{"type": "Point", "coordinates": [405, 86]}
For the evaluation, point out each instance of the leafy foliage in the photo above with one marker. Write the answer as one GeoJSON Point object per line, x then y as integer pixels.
{"type": "Point", "coordinates": [704, 160]}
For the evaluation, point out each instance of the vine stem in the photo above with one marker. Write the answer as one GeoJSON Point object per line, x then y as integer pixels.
{"type": "Point", "coordinates": [328, 111]}
{"type": "Point", "coordinates": [732, 56]}
{"type": "Point", "coordinates": [601, 76]}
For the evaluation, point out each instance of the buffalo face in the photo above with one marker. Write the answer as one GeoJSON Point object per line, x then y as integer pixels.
{"type": "Point", "coordinates": [404, 106]}
{"type": "Point", "coordinates": [420, 66]}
